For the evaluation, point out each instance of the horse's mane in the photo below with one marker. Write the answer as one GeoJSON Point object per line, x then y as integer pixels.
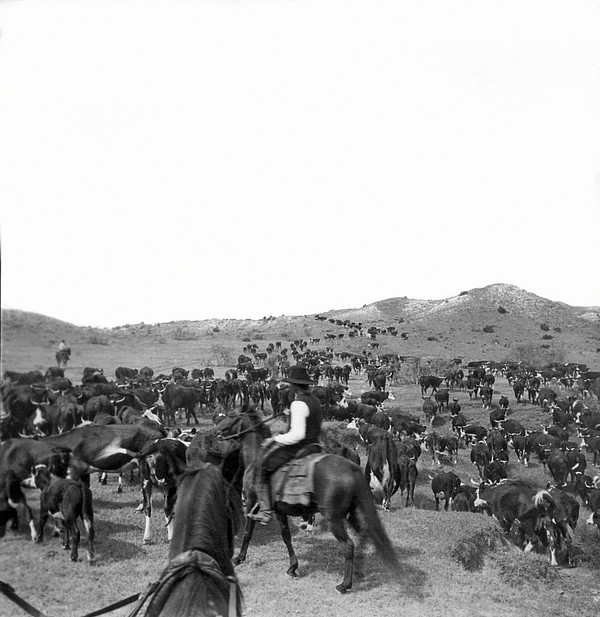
{"type": "Point", "coordinates": [252, 414]}
{"type": "Point", "coordinates": [211, 511]}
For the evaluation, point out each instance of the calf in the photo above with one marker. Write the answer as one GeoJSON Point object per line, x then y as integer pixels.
{"type": "Point", "coordinates": [67, 501]}
{"type": "Point", "coordinates": [454, 407]}
{"type": "Point", "coordinates": [407, 478]}
{"type": "Point", "coordinates": [429, 409]}
{"type": "Point", "coordinates": [480, 456]}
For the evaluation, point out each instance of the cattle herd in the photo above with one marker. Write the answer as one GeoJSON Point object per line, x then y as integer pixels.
{"type": "Point", "coordinates": [56, 431]}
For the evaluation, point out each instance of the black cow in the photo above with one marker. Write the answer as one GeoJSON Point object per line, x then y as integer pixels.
{"type": "Point", "coordinates": [92, 447]}
{"type": "Point", "coordinates": [409, 447]}
{"type": "Point", "coordinates": [577, 464]}
{"type": "Point", "coordinates": [376, 397]}
{"type": "Point", "coordinates": [594, 505]}
{"type": "Point", "coordinates": [444, 484]}
{"type": "Point", "coordinates": [486, 393]}
{"type": "Point", "coordinates": [592, 444]}
{"type": "Point", "coordinates": [12, 499]}
{"type": "Point", "coordinates": [361, 411]}
{"type": "Point", "coordinates": [442, 398]}
{"type": "Point", "coordinates": [67, 501]}
{"type": "Point", "coordinates": [522, 447]}
{"type": "Point", "coordinates": [519, 390]}
{"type": "Point", "coordinates": [181, 397]}
{"type": "Point", "coordinates": [430, 381]}
{"type": "Point", "coordinates": [464, 499]}
{"type": "Point", "coordinates": [123, 373]}
{"type": "Point", "coordinates": [523, 511]}
{"type": "Point", "coordinates": [474, 432]}
{"type": "Point", "coordinates": [379, 381]}
{"type": "Point", "coordinates": [494, 472]}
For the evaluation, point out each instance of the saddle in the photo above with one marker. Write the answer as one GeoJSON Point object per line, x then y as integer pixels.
{"type": "Point", "coordinates": [293, 482]}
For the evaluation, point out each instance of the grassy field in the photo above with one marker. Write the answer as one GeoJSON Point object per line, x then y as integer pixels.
{"type": "Point", "coordinates": [452, 563]}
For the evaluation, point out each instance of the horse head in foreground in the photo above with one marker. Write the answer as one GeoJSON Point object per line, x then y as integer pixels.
{"type": "Point", "coordinates": [199, 580]}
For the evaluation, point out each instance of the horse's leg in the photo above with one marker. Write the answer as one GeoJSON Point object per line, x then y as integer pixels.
{"type": "Point", "coordinates": [248, 531]}
{"type": "Point", "coordinates": [147, 510]}
{"type": "Point", "coordinates": [286, 534]}
{"type": "Point", "coordinates": [338, 529]}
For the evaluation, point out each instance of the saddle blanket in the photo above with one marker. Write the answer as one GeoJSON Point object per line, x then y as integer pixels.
{"type": "Point", "coordinates": [293, 482]}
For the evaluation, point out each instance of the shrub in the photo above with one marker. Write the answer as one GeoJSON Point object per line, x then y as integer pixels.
{"type": "Point", "coordinates": [469, 551]}
{"type": "Point", "coordinates": [222, 355]}
{"type": "Point", "coordinates": [547, 337]}
{"type": "Point", "coordinates": [559, 330]}
{"type": "Point", "coordinates": [502, 310]}
{"type": "Point", "coordinates": [532, 355]}
{"type": "Point", "coordinates": [431, 338]}
{"type": "Point", "coordinates": [463, 293]}
{"type": "Point", "coordinates": [216, 329]}
{"type": "Point", "coordinates": [488, 329]}
{"type": "Point", "coordinates": [545, 327]}
{"type": "Point", "coordinates": [184, 334]}
{"type": "Point", "coordinates": [519, 569]}
{"type": "Point", "coordinates": [97, 339]}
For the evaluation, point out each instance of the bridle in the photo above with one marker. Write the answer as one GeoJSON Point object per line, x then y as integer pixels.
{"type": "Point", "coordinates": [250, 428]}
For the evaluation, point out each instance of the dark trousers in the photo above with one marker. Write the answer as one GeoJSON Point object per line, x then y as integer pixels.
{"type": "Point", "coordinates": [272, 459]}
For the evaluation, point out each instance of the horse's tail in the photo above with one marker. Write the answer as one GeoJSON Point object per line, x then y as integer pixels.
{"type": "Point", "coordinates": [373, 526]}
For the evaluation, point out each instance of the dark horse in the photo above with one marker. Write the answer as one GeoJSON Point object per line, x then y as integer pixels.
{"type": "Point", "coordinates": [199, 580]}
{"type": "Point", "coordinates": [62, 357]}
{"type": "Point", "coordinates": [340, 493]}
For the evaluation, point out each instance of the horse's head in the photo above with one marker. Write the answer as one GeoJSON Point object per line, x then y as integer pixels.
{"type": "Point", "coordinates": [243, 419]}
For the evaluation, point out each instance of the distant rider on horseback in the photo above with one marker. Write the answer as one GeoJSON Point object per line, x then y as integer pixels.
{"type": "Point", "coordinates": [306, 415]}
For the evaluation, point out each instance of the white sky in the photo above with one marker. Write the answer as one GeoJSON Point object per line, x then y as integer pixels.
{"type": "Point", "coordinates": [164, 160]}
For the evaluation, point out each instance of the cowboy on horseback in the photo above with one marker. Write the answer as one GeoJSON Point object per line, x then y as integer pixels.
{"type": "Point", "coordinates": [306, 415]}
{"type": "Point", "coordinates": [62, 346]}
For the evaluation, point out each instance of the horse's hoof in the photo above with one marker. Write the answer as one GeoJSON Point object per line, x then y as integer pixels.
{"type": "Point", "coordinates": [74, 558]}
{"type": "Point", "coordinates": [292, 573]}
{"type": "Point", "coordinates": [342, 588]}
{"type": "Point", "coordinates": [236, 561]}
{"type": "Point", "coordinates": [119, 489]}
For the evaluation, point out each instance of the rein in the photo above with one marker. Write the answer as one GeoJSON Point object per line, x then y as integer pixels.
{"type": "Point", "coordinates": [9, 592]}
{"type": "Point", "coordinates": [251, 428]}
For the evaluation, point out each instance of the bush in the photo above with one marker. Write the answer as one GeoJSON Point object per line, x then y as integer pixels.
{"type": "Point", "coordinates": [547, 337]}
{"type": "Point", "coordinates": [431, 338]}
{"type": "Point", "coordinates": [463, 293]}
{"type": "Point", "coordinates": [488, 329]}
{"type": "Point", "coordinates": [545, 327]}
{"type": "Point", "coordinates": [97, 339]}
{"type": "Point", "coordinates": [502, 310]}
{"type": "Point", "coordinates": [519, 569]}
{"type": "Point", "coordinates": [222, 355]}
{"type": "Point", "coordinates": [184, 334]}
{"type": "Point", "coordinates": [559, 330]}
{"type": "Point", "coordinates": [470, 551]}
{"type": "Point", "coordinates": [531, 355]}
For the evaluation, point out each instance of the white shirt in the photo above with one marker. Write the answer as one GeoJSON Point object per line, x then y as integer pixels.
{"type": "Point", "coordinates": [299, 411]}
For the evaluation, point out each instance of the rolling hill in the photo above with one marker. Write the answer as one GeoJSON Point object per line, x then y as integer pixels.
{"type": "Point", "coordinates": [496, 322]}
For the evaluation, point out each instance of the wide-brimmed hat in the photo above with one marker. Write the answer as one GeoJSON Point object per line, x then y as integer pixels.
{"type": "Point", "coordinates": [298, 374]}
